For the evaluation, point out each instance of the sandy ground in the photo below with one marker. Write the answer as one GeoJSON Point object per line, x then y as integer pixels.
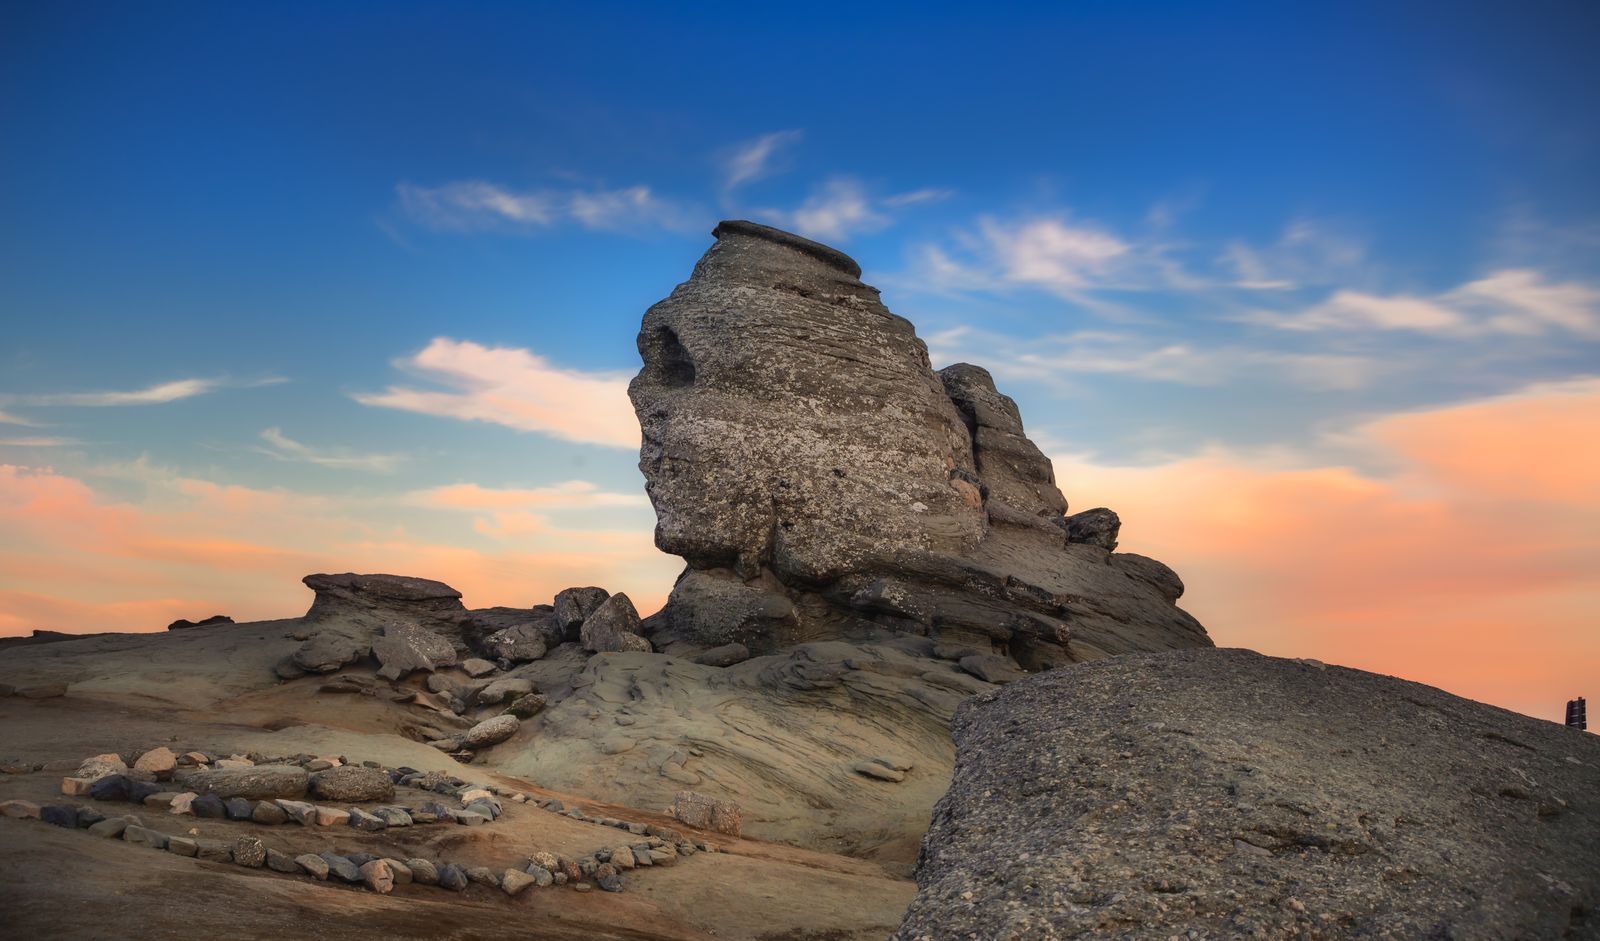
{"type": "Point", "coordinates": [212, 691]}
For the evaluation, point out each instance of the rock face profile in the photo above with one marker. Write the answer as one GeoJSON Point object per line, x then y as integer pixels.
{"type": "Point", "coordinates": [1222, 793]}
{"type": "Point", "coordinates": [823, 481]}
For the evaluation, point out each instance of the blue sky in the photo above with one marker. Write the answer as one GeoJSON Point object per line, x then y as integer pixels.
{"type": "Point", "coordinates": [1169, 229]}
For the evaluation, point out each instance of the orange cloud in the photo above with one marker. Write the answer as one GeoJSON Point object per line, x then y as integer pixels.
{"type": "Point", "coordinates": [77, 560]}
{"type": "Point", "coordinates": [1470, 564]}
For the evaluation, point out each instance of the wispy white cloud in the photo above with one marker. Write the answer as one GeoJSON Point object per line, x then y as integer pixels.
{"type": "Point", "coordinates": [516, 388]}
{"type": "Point", "coordinates": [158, 394]}
{"type": "Point", "coordinates": [38, 442]}
{"type": "Point", "coordinates": [753, 159]}
{"type": "Point", "coordinates": [1058, 358]}
{"type": "Point", "coordinates": [567, 495]}
{"type": "Point", "coordinates": [6, 418]}
{"type": "Point", "coordinates": [1511, 302]}
{"type": "Point", "coordinates": [1307, 253]}
{"type": "Point", "coordinates": [843, 206]}
{"type": "Point", "coordinates": [284, 448]}
{"type": "Point", "coordinates": [1053, 253]}
{"type": "Point", "coordinates": [476, 205]}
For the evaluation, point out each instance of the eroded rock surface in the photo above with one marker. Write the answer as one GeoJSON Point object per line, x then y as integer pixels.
{"type": "Point", "coordinates": [823, 481]}
{"type": "Point", "coordinates": [1224, 794]}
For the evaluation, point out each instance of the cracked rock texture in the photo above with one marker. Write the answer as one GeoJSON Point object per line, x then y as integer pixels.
{"type": "Point", "coordinates": [1225, 794]}
{"type": "Point", "coordinates": [823, 481]}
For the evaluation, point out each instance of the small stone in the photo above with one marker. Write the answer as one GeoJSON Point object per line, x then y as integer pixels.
{"type": "Point", "coordinates": [607, 877]}
{"type": "Point", "coordinates": [402, 872]}
{"type": "Point", "coordinates": [46, 691]}
{"type": "Point", "coordinates": [76, 787]}
{"type": "Point", "coordinates": [88, 817]}
{"type": "Point", "coordinates": [483, 875]}
{"type": "Point", "coordinates": [514, 882]}
{"type": "Point", "coordinates": [269, 814]}
{"type": "Point", "coordinates": [209, 806]}
{"type": "Point", "coordinates": [332, 817]}
{"type": "Point", "coordinates": [423, 871]}
{"type": "Point", "coordinates": [140, 792]}
{"type": "Point", "coordinates": [361, 859]}
{"type": "Point", "coordinates": [111, 787]}
{"type": "Point", "coordinates": [197, 757]}
{"type": "Point", "coordinates": [542, 876]}
{"type": "Point", "coordinates": [872, 769]}
{"type": "Point", "coordinates": [526, 707]}
{"type": "Point", "coordinates": [361, 820]}
{"type": "Point", "coordinates": [490, 732]}
{"type": "Point", "coordinates": [469, 818]}
{"type": "Point", "coordinates": [314, 866]}
{"type": "Point", "coordinates": [704, 812]}
{"type": "Point", "coordinates": [60, 815]}
{"type": "Point", "coordinates": [144, 836]}
{"type": "Point", "coordinates": [393, 816]}
{"type": "Point", "coordinates": [581, 887]}
{"type": "Point", "coordinates": [477, 667]}
{"type": "Point", "coordinates": [183, 804]}
{"type": "Point", "coordinates": [318, 764]}
{"type": "Point", "coordinates": [217, 851]}
{"type": "Point", "coordinates": [19, 809]}
{"type": "Point", "coordinates": [183, 846]}
{"type": "Point", "coordinates": [248, 851]}
{"type": "Point", "coordinates": [341, 867]}
{"type": "Point", "coordinates": [377, 876]}
{"type": "Point", "coordinates": [239, 808]}
{"type": "Point", "coordinates": [299, 811]}
{"type": "Point", "coordinates": [281, 862]}
{"type": "Point", "coordinates": [110, 828]}
{"type": "Point", "coordinates": [622, 858]}
{"type": "Point", "coordinates": [476, 793]}
{"type": "Point", "coordinates": [157, 761]}
{"type": "Point", "coordinates": [663, 856]}
{"type": "Point", "coordinates": [452, 877]}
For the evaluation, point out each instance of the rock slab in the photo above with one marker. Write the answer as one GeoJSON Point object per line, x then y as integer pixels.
{"type": "Point", "coordinates": [1221, 793]}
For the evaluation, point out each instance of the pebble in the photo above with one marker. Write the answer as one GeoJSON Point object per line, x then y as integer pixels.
{"type": "Point", "coordinates": [238, 808]}
{"type": "Point", "coordinates": [144, 836]}
{"type": "Point", "coordinates": [514, 882]}
{"type": "Point", "coordinates": [542, 877]}
{"type": "Point", "coordinates": [607, 877]}
{"type": "Point", "coordinates": [331, 817]}
{"type": "Point", "coordinates": [452, 877]}
{"type": "Point", "coordinates": [217, 851]}
{"type": "Point", "coordinates": [183, 846]}
{"type": "Point", "coordinates": [157, 761]}
{"type": "Point", "coordinates": [423, 871]}
{"type": "Point", "coordinates": [19, 809]}
{"type": "Point", "coordinates": [872, 769]}
{"type": "Point", "coordinates": [209, 806]}
{"type": "Point", "coordinates": [60, 815]}
{"type": "Point", "coordinates": [377, 876]}
{"type": "Point", "coordinates": [88, 817]}
{"type": "Point", "coordinates": [483, 875]}
{"type": "Point", "coordinates": [402, 872]}
{"type": "Point", "coordinates": [299, 811]}
{"type": "Point", "coordinates": [581, 887]}
{"type": "Point", "coordinates": [109, 829]}
{"type": "Point", "coordinates": [281, 862]}
{"type": "Point", "coordinates": [183, 804]}
{"type": "Point", "coordinates": [76, 787]}
{"type": "Point", "coordinates": [361, 820]}
{"type": "Point", "coordinates": [341, 867]}
{"type": "Point", "coordinates": [248, 851]}
{"type": "Point", "coordinates": [315, 866]}
{"type": "Point", "coordinates": [268, 813]}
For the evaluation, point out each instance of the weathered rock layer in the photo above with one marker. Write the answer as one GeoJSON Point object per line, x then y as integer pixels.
{"type": "Point", "coordinates": [1224, 794]}
{"type": "Point", "coordinates": [823, 481]}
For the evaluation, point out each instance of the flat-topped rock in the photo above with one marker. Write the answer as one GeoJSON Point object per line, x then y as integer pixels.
{"type": "Point", "coordinates": [822, 481]}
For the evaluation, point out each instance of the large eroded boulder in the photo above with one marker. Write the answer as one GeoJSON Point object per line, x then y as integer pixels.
{"type": "Point", "coordinates": [823, 481]}
{"type": "Point", "coordinates": [1224, 794]}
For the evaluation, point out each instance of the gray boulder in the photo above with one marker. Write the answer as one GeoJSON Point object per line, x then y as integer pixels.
{"type": "Point", "coordinates": [614, 626]}
{"type": "Point", "coordinates": [574, 605]}
{"type": "Point", "coordinates": [520, 635]}
{"type": "Point", "coordinates": [350, 610]}
{"type": "Point", "coordinates": [1096, 527]}
{"type": "Point", "coordinates": [822, 481]}
{"type": "Point", "coordinates": [260, 782]}
{"type": "Point", "coordinates": [401, 648]}
{"type": "Point", "coordinates": [1224, 794]}
{"type": "Point", "coordinates": [490, 732]}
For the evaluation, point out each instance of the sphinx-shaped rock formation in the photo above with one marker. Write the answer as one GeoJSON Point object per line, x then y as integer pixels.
{"type": "Point", "coordinates": [823, 481]}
